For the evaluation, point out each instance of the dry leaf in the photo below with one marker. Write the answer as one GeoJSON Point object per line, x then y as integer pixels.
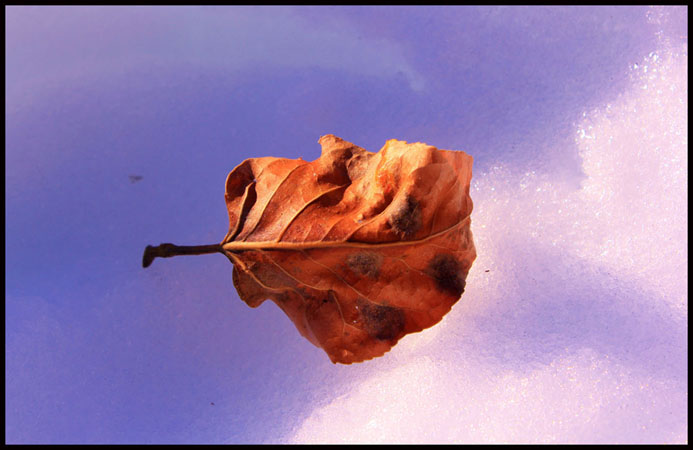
{"type": "Point", "coordinates": [357, 248]}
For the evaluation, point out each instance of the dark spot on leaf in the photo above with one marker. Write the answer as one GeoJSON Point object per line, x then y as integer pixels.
{"type": "Point", "coordinates": [384, 323]}
{"type": "Point", "coordinates": [365, 263]}
{"type": "Point", "coordinates": [445, 270]}
{"type": "Point", "coordinates": [406, 220]}
{"type": "Point", "coordinates": [320, 302]}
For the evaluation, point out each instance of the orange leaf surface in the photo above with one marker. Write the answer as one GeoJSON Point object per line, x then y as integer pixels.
{"type": "Point", "coordinates": [357, 248]}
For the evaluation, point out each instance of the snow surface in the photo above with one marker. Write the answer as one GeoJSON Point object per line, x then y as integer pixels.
{"type": "Point", "coordinates": [573, 326]}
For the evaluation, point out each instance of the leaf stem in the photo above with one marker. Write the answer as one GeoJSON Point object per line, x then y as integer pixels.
{"type": "Point", "coordinates": [169, 250]}
{"type": "Point", "coordinates": [227, 248]}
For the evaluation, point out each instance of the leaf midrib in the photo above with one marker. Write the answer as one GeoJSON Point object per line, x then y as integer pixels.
{"type": "Point", "coordinates": [240, 246]}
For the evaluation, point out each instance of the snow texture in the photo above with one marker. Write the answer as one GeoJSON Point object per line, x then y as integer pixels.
{"type": "Point", "coordinates": [573, 326]}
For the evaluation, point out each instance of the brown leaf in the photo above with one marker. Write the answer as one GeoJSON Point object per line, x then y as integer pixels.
{"type": "Point", "coordinates": [357, 248]}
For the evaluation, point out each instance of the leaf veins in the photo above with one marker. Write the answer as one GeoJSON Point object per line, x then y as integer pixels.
{"type": "Point", "coordinates": [357, 248]}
